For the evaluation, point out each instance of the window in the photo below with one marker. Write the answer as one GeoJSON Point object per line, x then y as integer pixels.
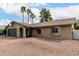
{"type": "Point", "coordinates": [11, 25]}
{"type": "Point", "coordinates": [38, 31]}
{"type": "Point", "coordinates": [54, 30]}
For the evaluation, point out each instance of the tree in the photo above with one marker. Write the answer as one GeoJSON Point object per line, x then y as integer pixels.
{"type": "Point", "coordinates": [28, 13]}
{"type": "Point", "coordinates": [23, 9]}
{"type": "Point", "coordinates": [32, 16]}
{"type": "Point", "coordinates": [76, 25]}
{"type": "Point", "coordinates": [45, 15]}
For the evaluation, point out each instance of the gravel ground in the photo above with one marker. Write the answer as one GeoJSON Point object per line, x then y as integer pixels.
{"type": "Point", "coordinates": [38, 47]}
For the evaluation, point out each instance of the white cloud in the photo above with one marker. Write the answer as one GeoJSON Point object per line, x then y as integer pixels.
{"type": "Point", "coordinates": [36, 12]}
{"type": "Point", "coordinates": [15, 8]}
{"type": "Point", "coordinates": [37, 4]}
{"type": "Point", "coordinates": [39, 1]}
{"type": "Point", "coordinates": [11, 8]}
{"type": "Point", "coordinates": [57, 13]}
{"type": "Point", "coordinates": [65, 12]}
{"type": "Point", "coordinates": [4, 21]}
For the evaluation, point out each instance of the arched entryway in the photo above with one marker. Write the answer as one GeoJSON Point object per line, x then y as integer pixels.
{"type": "Point", "coordinates": [21, 32]}
{"type": "Point", "coordinates": [28, 32]}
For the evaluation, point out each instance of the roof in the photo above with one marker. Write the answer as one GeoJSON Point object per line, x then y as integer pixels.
{"type": "Point", "coordinates": [55, 22]}
{"type": "Point", "coordinates": [24, 24]}
{"type": "Point", "coordinates": [67, 21]}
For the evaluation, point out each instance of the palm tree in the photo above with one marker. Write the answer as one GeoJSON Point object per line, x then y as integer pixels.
{"type": "Point", "coordinates": [32, 16]}
{"type": "Point", "coordinates": [28, 13]}
{"type": "Point", "coordinates": [23, 9]}
{"type": "Point", "coordinates": [45, 15]}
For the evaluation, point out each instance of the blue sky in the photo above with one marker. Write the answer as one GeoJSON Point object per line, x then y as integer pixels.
{"type": "Point", "coordinates": [54, 5]}
{"type": "Point", "coordinates": [11, 12]}
{"type": "Point", "coordinates": [4, 15]}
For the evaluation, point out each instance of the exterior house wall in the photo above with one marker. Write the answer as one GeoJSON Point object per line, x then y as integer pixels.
{"type": "Point", "coordinates": [17, 26]}
{"type": "Point", "coordinates": [65, 32]}
{"type": "Point", "coordinates": [45, 32]}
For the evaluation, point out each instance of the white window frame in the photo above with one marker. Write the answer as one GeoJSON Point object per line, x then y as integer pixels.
{"type": "Point", "coordinates": [58, 33]}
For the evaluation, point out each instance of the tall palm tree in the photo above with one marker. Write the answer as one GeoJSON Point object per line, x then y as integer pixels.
{"type": "Point", "coordinates": [28, 13]}
{"type": "Point", "coordinates": [45, 15]}
{"type": "Point", "coordinates": [23, 9]}
{"type": "Point", "coordinates": [32, 16]}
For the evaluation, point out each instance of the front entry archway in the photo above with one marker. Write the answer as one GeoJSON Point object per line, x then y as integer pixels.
{"type": "Point", "coordinates": [21, 32]}
{"type": "Point", "coordinates": [28, 32]}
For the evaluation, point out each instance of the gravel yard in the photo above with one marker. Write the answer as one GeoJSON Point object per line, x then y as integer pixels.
{"type": "Point", "coordinates": [38, 47]}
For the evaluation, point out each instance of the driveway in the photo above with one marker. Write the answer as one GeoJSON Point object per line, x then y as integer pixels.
{"type": "Point", "coordinates": [37, 47]}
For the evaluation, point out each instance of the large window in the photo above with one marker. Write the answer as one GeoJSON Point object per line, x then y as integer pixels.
{"type": "Point", "coordinates": [55, 30]}
{"type": "Point", "coordinates": [38, 31]}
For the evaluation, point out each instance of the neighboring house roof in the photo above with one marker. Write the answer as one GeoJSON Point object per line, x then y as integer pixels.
{"type": "Point", "coordinates": [2, 27]}
{"type": "Point", "coordinates": [50, 23]}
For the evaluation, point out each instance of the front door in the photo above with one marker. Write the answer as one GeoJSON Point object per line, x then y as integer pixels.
{"type": "Point", "coordinates": [21, 32]}
{"type": "Point", "coordinates": [28, 32]}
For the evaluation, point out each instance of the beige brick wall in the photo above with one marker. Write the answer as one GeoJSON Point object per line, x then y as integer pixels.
{"type": "Point", "coordinates": [45, 32]}
{"type": "Point", "coordinates": [17, 26]}
{"type": "Point", "coordinates": [65, 32]}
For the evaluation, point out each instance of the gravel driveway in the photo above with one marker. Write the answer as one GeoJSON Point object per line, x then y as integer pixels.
{"type": "Point", "coordinates": [38, 47]}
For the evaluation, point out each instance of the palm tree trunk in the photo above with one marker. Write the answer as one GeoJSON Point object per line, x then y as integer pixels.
{"type": "Point", "coordinates": [28, 19]}
{"type": "Point", "coordinates": [23, 17]}
{"type": "Point", "coordinates": [32, 20]}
